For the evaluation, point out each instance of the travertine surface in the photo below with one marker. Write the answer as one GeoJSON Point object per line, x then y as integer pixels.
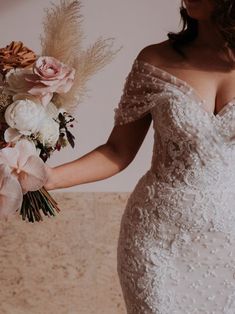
{"type": "Point", "coordinates": [65, 264]}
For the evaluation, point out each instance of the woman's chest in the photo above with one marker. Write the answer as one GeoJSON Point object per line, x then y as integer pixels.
{"type": "Point", "coordinates": [214, 89]}
{"type": "Point", "coordinates": [177, 113]}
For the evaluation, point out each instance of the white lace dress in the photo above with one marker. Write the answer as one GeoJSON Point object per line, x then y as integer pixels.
{"type": "Point", "coordinates": [176, 247]}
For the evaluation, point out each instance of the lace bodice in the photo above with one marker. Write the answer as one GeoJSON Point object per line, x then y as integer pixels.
{"type": "Point", "coordinates": [186, 135]}
{"type": "Point", "coordinates": [184, 206]}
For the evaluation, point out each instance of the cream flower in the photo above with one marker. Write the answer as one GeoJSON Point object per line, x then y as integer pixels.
{"type": "Point", "coordinates": [16, 82]}
{"type": "Point", "coordinates": [49, 132]}
{"type": "Point", "coordinates": [49, 129]}
{"type": "Point", "coordinates": [52, 111]}
{"type": "Point", "coordinates": [25, 116]}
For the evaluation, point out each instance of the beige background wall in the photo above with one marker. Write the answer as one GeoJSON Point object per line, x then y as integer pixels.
{"type": "Point", "coordinates": [134, 24]}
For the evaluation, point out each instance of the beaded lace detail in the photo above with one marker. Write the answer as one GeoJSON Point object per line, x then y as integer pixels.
{"type": "Point", "coordinates": [176, 247]}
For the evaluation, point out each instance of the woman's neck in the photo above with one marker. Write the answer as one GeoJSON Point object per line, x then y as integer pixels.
{"type": "Point", "coordinates": [209, 36]}
{"type": "Point", "coordinates": [210, 42]}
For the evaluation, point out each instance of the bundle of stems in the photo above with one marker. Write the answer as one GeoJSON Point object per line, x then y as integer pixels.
{"type": "Point", "coordinates": [36, 202]}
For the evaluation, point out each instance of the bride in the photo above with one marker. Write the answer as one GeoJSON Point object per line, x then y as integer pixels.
{"type": "Point", "coordinates": [176, 246]}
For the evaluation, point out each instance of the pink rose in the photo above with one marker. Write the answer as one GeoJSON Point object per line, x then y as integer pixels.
{"type": "Point", "coordinates": [49, 76]}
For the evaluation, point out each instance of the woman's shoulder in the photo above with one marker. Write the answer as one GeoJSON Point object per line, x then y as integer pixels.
{"type": "Point", "coordinates": [159, 54]}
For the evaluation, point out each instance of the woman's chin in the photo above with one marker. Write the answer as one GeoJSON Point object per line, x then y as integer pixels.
{"type": "Point", "coordinates": [198, 9]}
{"type": "Point", "coordinates": [197, 14]}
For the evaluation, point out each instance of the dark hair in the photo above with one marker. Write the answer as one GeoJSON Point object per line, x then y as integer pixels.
{"type": "Point", "coordinates": [223, 16]}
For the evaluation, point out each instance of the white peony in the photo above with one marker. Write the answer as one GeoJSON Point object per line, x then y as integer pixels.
{"type": "Point", "coordinates": [52, 111]}
{"type": "Point", "coordinates": [25, 116]}
{"type": "Point", "coordinates": [16, 82]}
{"type": "Point", "coordinates": [24, 96]}
{"type": "Point", "coordinates": [49, 132]}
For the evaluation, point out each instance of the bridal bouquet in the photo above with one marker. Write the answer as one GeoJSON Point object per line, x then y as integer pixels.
{"type": "Point", "coordinates": [38, 95]}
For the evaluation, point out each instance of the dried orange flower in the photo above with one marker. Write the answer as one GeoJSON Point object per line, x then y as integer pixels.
{"type": "Point", "coordinates": [15, 55]}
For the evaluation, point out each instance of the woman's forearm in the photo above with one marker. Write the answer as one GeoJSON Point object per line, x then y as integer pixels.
{"type": "Point", "coordinates": [98, 164]}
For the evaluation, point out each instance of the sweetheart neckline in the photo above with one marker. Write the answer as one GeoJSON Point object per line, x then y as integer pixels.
{"type": "Point", "coordinates": [174, 79]}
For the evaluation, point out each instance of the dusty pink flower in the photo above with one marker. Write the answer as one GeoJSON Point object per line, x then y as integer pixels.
{"type": "Point", "coordinates": [10, 192]}
{"type": "Point", "coordinates": [49, 76]}
{"type": "Point", "coordinates": [25, 165]}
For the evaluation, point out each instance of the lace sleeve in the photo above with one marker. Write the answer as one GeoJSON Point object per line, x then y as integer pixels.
{"type": "Point", "coordinates": [136, 100]}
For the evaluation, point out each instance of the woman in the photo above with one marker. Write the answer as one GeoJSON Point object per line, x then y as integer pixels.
{"type": "Point", "coordinates": [176, 248]}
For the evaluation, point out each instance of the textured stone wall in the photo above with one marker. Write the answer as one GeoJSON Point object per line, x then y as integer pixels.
{"type": "Point", "coordinates": [65, 264]}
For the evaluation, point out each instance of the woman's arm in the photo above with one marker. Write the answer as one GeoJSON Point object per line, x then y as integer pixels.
{"type": "Point", "coordinates": [105, 160]}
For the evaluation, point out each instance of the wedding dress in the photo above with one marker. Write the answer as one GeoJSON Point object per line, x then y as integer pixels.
{"type": "Point", "coordinates": [176, 247]}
